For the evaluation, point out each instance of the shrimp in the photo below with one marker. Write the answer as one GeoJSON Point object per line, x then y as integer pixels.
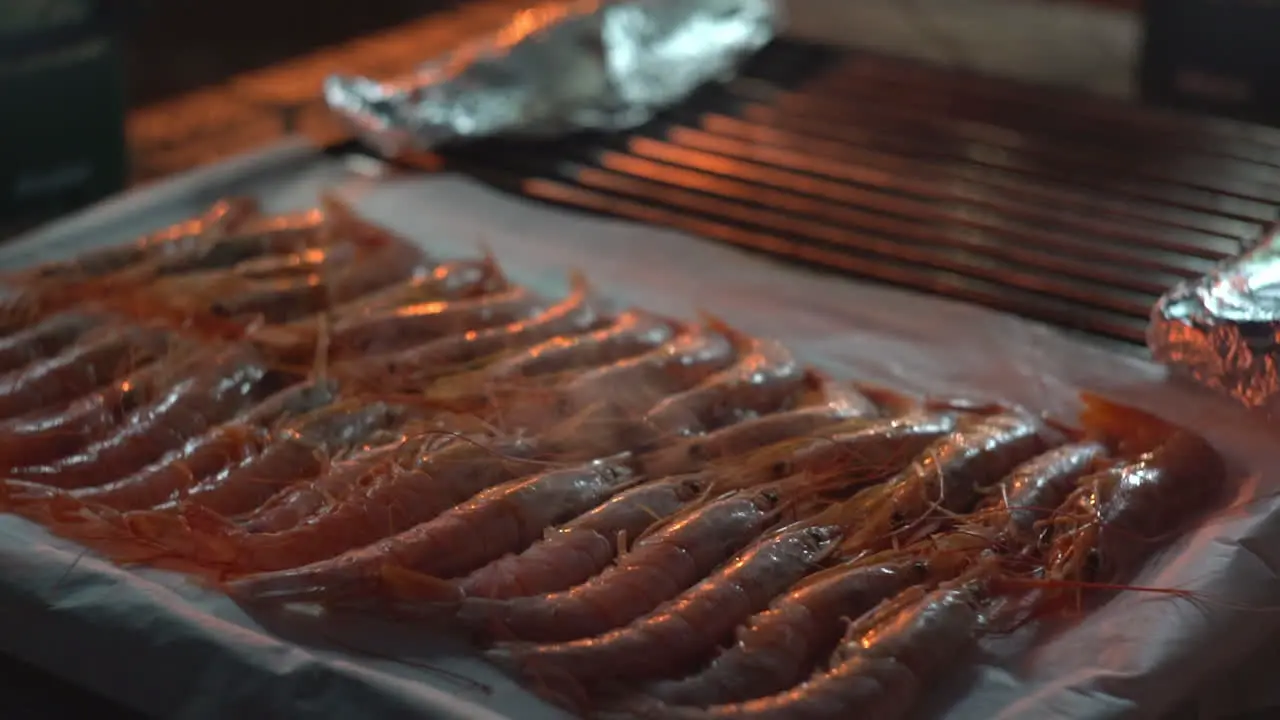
{"type": "Point", "coordinates": [415, 324]}
{"type": "Point", "coordinates": [880, 669]}
{"type": "Point", "coordinates": [633, 332]}
{"type": "Point", "coordinates": [503, 519]}
{"type": "Point", "coordinates": [281, 234]}
{"type": "Point", "coordinates": [575, 552]}
{"type": "Point", "coordinates": [680, 631]}
{"type": "Point", "coordinates": [45, 338]}
{"type": "Point", "coordinates": [213, 393]}
{"type": "Point", "coordinates": [1126, 510]}
{"type": "Point", "coordinates": [1029, 493]}
{"type": "Point", "coordinates": [98, 358]}
{"type": "Point", "coordinates": [224, 216]}
{"type": "Point", "coordinates": [777, 648]}
{"type": "Point", "coordinates": [765, 378]}
{"type": "Point", "coordinates": [416, 366]}
{"type": "Point", "coordinates": [835, 403]}
{"type": "Point", "coordinates": [455, 280]}
{"type": "Point", "coordinates": [298, 452]}
{"type": "Point", "coordinates": [856, 452]}
{"type": "Point", "coordinates": [947, 476]}
{"type": "Point", "coordinates": [236, 441]}
{"type": "Point", "coordinates": [658, 567]}
{"type": "Point", "coordinates": [391, 502]}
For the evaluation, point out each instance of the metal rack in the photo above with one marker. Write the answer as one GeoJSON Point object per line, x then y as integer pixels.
{"type": "Point", "coordinates": [1068, 209]}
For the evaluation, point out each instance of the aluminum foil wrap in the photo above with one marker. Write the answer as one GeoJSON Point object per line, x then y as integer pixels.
{"type": "Point", "coordinates": [1224, 328]}
{"type": "Point", "coordinates": [556, 68]}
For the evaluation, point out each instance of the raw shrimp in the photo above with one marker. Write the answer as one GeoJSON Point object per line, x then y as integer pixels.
{"type": "Point", "coordinates": [414, 324]}
{"type": "Point", "coordinates": [765, 378]}
{"type": "Point", "coordinates": [416, 366]}
{"type": "Point", "coordinates": [392, 502]}
{"type": "Point", "coordinates": [455, 280]}
{"type": "Point", "coordinates": [97, 359]}
{"type": "Point", "coordinates": [855, 452]}
{"type": "Point", "coordinates": [633, 332]}
{"type": "Point", "coordinates": [210, 395]}
{"type": "Point", "coordinates": [680, 631]}
{"type": "Point", "coordinates": [834, 404]}
{"type": "Point", "coordinates": [1033, 489]}
{"type": "Point", "coordinates": [1115, 517]}
{"type": "Point", "coordinates": [298, 452]}
{"type": "Point", "coordinates": [580, 549]}
{"type": "Point", "coordinates": [45, 338]}
{"type": "Point", "coordinates": [503, 519]}
{"type": "Point", "coordinates": [224, 216]}
{"type": "Point", "coordinates": [244, 437]}
{"type": "Point", "coordinates": [281, 234]}
{"type": "Point", "coordinates": [947, 477]}
{"type": "Point", "coordinates": [778, 648]}
{"type": "Point", "coordinates": [658, 567]}
{"type": "Point", "coordinates": [880, 670]}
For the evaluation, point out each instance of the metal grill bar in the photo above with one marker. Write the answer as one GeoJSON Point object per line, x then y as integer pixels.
{"type": "Point", "coordinates": [1069, 209]}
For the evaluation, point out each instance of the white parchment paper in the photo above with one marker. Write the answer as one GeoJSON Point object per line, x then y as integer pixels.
{"type": "Point", "coordinates": [157, 643]}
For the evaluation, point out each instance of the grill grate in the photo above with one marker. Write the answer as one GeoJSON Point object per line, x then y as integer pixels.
{"type": "Point", "coordinates": [1069, 209]}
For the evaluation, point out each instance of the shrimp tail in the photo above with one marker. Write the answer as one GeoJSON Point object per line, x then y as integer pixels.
{"type": "Point", "coordinates": [1131, 432]}
{"type": "Point", "coordinates": [405, 585]}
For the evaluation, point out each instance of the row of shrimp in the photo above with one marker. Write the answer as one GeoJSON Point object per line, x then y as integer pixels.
{"type": "Point", "coordinates": [645, 517]}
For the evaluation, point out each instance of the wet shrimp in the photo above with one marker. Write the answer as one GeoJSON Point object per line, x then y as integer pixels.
{"type": "Point", "coordinates": [454, 280]}
{"type": "Point", "coordinates": [680, 631]}
{"type": "Point", "coordinates": [1030, 493]}
{"type": "Point", "coordinates": [388, 503]}
{"type": "Point", "coordinates": [881, 668]}
{"type": "Point", "coordinates": [633, 332]}
{"type": "Point", "coordinates": [417, 366]}
{"type": "Point", "coordinates": [503, 519]}
{"type": "Point", "coordinates": [765, 378]}
{"type": "Point", "coordinates": [948, 477]}
{"type": "Point", "coordinates": [411, 325]}
{"type": "Point", "coordinates": [47, 337]}
{"type": "Point", "coordinates": [580, 549]}
{"type": "Point", "coordinates": [99, 358]}
{"type": "Point", "coordinates": [210, 394]}
{"type": "Point", "coordinates": [834, 403]}
{"type": "Point", "coordinates": [658, 567]}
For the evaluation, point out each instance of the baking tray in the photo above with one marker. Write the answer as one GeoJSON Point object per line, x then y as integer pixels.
{"type": "Point", "coordinates": [158, 644]}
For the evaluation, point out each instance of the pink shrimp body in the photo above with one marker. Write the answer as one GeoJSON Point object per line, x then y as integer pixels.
{"type": "Point", "coordinates": [415, 324]}
{"type": "Point", "coordinates": [1031, 492]}
{"type": "Point", "coordinates": [684, 629]}
{"type": "Point", "coordinates": [455, 280]}
{"type": "Point", "coordinates": [212, 394]}
{"type": "Point", "coordinates": [691, 454]}
{"type": "Point", "coordinates": [414, 366]}
{"type": "Point", "coordinates": [393, 502]}
{"type": "Point", "coordinates": [779, 647]}
{"type": "Point", "coordinates": [497, 521]}
{"type": "Point", "coordinates": [96, 360]}
{"type": "Point", "coordinates": [45, 338]}
{"type": "Point", "coordinates": [657, 568]}
{"type": "Point", "coordinates": [764, 379]}
{"type": "Point", "coordinates": [948, 475]}
{"type": "Point", "coordinates": [583, 547]}
{"type": "Point", "coordinates": [880, 673]}
{"type": "Point", "coordinates": [633, 332]}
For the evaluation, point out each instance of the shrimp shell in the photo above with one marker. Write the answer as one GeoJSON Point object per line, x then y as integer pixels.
{"type": "Point", "coordinates": [47, 337]}
{"type": "Point", "coordinates": [764, 379]}
{"type": "Point", "coordinates": [1031, 492]}
{"type": "Point", "coordinates": [681, 630]}
{"type": "Point", "coordinates": [455, 280]}
{"type": "Point", "coordinates": [583, 547]}
{"type": "Point", "coordinates": [778, 648]}
{"type": "Point", "coordinates": [577, 312]}
{"type": "Point", "coordinates": [633, 332]}
{"type": "Point", "coordinates": [97, 359]}
{"type": "Point", "coordinates": [689, 455]}
{"type": "Point", "coordinates": [210, 395]}
{"type": "Point", "coordinates": [393, 502]}
{"type": "Point", "coordinates": [658, 567]}
{"type": "Point", "coordinates": [497, 521]}
{"type": "Point", "coordinates": [949, 474]}
{"type": "Point", "coordinates": [411, 325]}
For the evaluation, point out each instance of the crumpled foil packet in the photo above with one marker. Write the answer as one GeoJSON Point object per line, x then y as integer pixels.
{"type": "Point", "coordinates": [1224, 328]}
{"type": "Point", "coordinates": [556, 68]}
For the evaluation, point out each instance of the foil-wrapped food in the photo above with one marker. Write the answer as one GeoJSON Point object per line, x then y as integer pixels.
{"type": "Point", "coordinates": [1223, 329]}
{"type": "Point", "coordinates": [675, 518]}
{"type": "Point", "coordinates": [556, 68]}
